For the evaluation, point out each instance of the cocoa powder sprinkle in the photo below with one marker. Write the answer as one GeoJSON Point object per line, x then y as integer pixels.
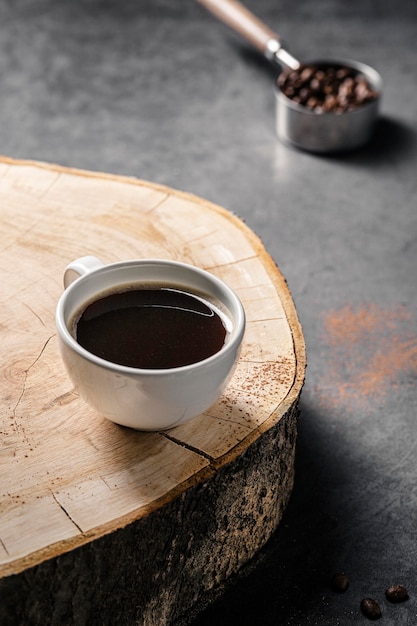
{"type": "Point", "coordinates": [369, 348]}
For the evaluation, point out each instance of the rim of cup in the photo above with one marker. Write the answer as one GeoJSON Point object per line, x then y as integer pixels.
{"type": "Point", "coordinates": [237, 314]}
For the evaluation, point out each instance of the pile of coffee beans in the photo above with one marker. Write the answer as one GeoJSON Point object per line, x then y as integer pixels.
{"type": "Point", "coordinates": [327, 88]}
{"type": "Point", "coordinates": [370, 607]}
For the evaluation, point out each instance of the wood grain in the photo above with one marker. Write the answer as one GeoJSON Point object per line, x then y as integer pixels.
{"type": "Point", "coordinates": [68, 477]}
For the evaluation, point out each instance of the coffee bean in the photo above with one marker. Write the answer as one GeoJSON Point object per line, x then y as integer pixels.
{"type": "Point", "coordinates": [306, 74]}
{"type": "Point", "coordinates": [370, 608]}
{"type": "Point", "coordinates": [396, 593]}
{"type": "Point", "coordinates": [340, 582]}
{"type": "Point", "coordinates": [315, 85]}
{"type": "Point", "coordinates": [344, 72]}
{"type": "Point", "coordinates": [326, 88]}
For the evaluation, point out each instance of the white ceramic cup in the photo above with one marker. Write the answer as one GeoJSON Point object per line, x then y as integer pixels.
{"type": "Point", "coordinates": [145, 399]}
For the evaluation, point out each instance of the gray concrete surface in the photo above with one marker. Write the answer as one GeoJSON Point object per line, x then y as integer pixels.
{"type": "Point", "coordinates": [161, 91]}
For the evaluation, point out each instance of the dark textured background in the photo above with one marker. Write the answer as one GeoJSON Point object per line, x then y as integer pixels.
{"type": "Point", "coordinates": [161, 91]}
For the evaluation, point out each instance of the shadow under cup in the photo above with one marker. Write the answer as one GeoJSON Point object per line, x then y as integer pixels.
{"type": "Point", "coordinates": [148, 399]}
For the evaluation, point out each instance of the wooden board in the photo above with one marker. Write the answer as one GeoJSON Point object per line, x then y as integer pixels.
{"type": "Point", "coordinates": [200, 499]}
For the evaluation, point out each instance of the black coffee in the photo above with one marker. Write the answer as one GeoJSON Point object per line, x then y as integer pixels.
{"type": "Point", "coordinates": [152, 328]}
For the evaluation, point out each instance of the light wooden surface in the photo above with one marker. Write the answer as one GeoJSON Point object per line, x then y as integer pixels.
{"type": "Point", "coordinates": [68, 476]}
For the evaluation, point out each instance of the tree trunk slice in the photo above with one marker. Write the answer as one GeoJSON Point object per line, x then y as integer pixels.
{"type": "Point", "coordinates": [100, 524]}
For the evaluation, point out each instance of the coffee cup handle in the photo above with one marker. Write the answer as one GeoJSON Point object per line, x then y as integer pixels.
{"type": "Point", "coordinates": [79, 267]}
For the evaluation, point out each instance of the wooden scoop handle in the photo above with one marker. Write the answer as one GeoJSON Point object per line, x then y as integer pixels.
{"type": "Point", "coordinates": [236, 16]}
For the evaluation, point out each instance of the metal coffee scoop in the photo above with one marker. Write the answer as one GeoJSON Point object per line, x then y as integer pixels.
{"type": "Point", "coordinates": [323, 132]}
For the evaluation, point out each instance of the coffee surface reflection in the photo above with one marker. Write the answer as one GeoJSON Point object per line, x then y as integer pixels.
{"type": "Point", "coordinates": [151, 328]}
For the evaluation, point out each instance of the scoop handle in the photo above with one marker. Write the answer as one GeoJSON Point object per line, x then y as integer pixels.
{"type": "Point", "coordinates": [240, 19]}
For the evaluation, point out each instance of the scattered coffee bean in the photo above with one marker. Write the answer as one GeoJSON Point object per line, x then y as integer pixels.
{"type": "Point", "coordinates": [340, 582]}
{"type": "Point", "coordinates": [396, 593]}
{"type": "Point", "coordinates": [327, 88]}
{"type": "Point", "coordinates": [370, 608]}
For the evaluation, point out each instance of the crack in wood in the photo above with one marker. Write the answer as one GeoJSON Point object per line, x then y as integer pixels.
{"type": "Point", "coordinates": [63, 509]}
{"type": "Point", "coordinates": [230, 263]}
{"type": "Point", "coordinates": [187, 446]}
{"type": "Point", "coordinates": [22, 393]}
{"type": "Point", "coordinates": [3, 545]}
{"type": "Point", "coordinates": [160, 203]}
{"type": "Point", "coordinates": [35, 314]}
{"type": "Point", "coordinates": [52, 184]}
